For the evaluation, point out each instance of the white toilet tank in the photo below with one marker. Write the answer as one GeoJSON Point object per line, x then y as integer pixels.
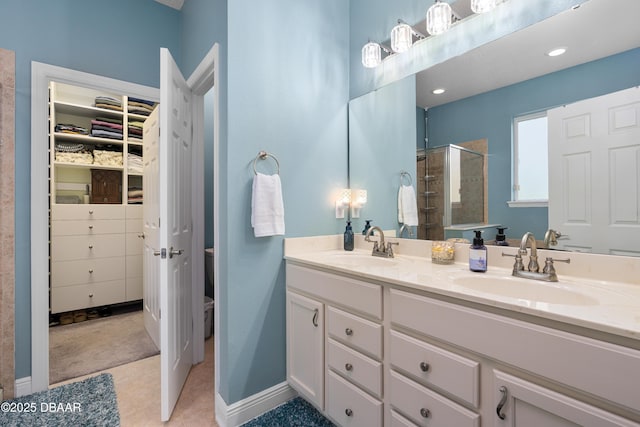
{"type": "Point", "coordinates": [208, 262]}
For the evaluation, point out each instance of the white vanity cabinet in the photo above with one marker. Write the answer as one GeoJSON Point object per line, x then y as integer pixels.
{"type": "Point", "coordinates": [399, 356]}
{"type": "Point", "coordinates": [345, 363]}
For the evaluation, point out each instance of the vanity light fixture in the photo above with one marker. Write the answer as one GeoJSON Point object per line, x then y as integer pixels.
{"type": "Point", "coordinates": [482, 6]}
{"type": "Point", "coordinates": [402, 36]}
{"type": "Point", "coordinates": [358, 200]}
{"type": "Point", "coordinates": [438, 91]}
{"type": "Point", "coordinates": [372, 54]}
{"type": "Point", "coordinates": [557, 51]}
{"type": "Point", "coordinates": [439, 18]}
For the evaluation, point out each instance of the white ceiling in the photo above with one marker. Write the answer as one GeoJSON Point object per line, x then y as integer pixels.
{"type": "Point", "coordinates": [176, 4]}
{"type": "Point", "coordinates": [522, 55]}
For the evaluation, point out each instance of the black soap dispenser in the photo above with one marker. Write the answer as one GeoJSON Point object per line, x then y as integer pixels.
{"type": "Point", "coordinates": [348, 237]}
{"type": "Point", "coordinates": [478, 254]}
{"type": "Point", "coordinates": [367, 226]}
{"type": "Point", "coordinates": [501, 238]}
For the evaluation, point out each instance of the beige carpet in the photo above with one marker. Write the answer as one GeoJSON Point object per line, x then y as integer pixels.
{"type": "Point", "coordinates": [86, 347]}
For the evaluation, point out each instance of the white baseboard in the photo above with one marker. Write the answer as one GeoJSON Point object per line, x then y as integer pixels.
{"type": "Point", "coordinates": [244, 410]}
{"type": "Point", "coordinates": [22, 386]}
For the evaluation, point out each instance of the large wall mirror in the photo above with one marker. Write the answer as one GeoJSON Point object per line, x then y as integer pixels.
{"type": "Point", "coordinates": [486, 89]}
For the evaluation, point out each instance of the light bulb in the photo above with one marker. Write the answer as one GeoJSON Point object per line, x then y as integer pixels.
{"type": "Point", "coordinates": [371, 56]}
{"type": "Point", "coordinates": [438, 18]}
{"type": "Point", "coordinates": [401, 38]}
{"type": "Point", "coordinates": [482, 6]}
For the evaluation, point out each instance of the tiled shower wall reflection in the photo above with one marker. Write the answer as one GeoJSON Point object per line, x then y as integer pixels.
{"type": "Point", "coordinates": [7, 229]}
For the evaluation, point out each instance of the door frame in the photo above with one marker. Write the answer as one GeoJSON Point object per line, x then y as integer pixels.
{"type": "Point", "coordinates": [41, 74]}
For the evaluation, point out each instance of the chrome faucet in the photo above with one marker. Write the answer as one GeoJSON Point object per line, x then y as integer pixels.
{"type": "Point", "coordinates": [379, 248]}
{"type": "Point", "coordinates": [532, 272]}
{"type": "Point", "coordinates": [551, 237]}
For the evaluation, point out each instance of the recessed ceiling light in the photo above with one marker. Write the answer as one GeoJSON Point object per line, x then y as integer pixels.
{"type": "Point", "coordinates": [557, 51]}
{"type": "Point", "coordinates": [437, 91]}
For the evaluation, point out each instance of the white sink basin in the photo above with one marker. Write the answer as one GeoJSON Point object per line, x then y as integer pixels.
{"type": "Point", "coordinates": [525, 289]}
{"type": "Point", "coordinates": [351, 259]}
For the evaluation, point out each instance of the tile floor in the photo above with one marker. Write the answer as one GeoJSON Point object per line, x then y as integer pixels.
{"type": "Point", "coordinates": [138, 392]}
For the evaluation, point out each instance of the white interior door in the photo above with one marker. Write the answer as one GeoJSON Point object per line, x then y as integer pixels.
{"type": "Point", "coordinates": [151, 226]}
{"type": "Point", "coordinates": [176, 228]}
{"type": "Point", "coordinates": [594, 173]}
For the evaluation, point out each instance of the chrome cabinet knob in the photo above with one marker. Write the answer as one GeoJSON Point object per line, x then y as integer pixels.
{"type": "Point", "coordinates": [425, 412]}
{"type": "Point", "coordinates": [90, 295]}
{"type": "Point", "coordinates": [348, 331]}
{"type": "Point", "coordinates": [349, 412]}
{"type": "Point", "coordinates": [91, 212]}
{"type": "Point", "coordinates": [424, 366]}
{"type": "Point", "coordinates": [90, 246]}
{"type": "Point", "coordinates": [91, 227]}
{"type": "Point", "coordinates": [91, 271]}
{"type": "Point", "coordinates": [348, 367]}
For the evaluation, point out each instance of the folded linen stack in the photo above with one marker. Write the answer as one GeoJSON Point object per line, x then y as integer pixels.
{"type": "Point", "coordinates": [71, 129]}
{"type": "Point", "coordinates": [107, 158]}
{"type": "Point", "coordinates": [73, 153]}
{"type": "Point", "coordinates": [134, 195]}
{"type": "Point", "coordinates": [140, 106]}
{"type": "Point", "coordinates": [106, 127]}
{"type": "Point", "coordinates": [134, 163]}
{"type": "Point", "coordinates": [108, 103]}
{"type": "Point", "coordinates": [134, 129]}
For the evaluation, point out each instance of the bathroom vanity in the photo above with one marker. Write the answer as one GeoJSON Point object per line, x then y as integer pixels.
{"type": "Point", "coordinates": [403, 342]}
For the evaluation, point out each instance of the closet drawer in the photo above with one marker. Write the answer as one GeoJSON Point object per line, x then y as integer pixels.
{"type": "Point", "coordinates": [133, 225]}
{"type": "Point", "coordinates": [67, 273]}
{"type": "Point", "coordinates": [359, 296]}
{"type": "Point", "coordinates": [431, 365]}
{"type": "Point", "coordinates": [67, 248]}
{"type": "Point", "coordinates": [87, 227]}
{"type": "Point", "coordinates": [134, 288]}
{"type": "Point", "coordinates": [350, 406]}
{"type": "Point", "coordinates": [355, 331]}
{"type": "Point", "coordinates": [353, 365]}
{"type": "Point", "coordinates": [69, 298]}
{"type": "Point", "coordinates": [69, 212]}
{"type": "Point", "coordinates": [398, 420]}
{"type": "Point", "coordinates": [134, 244]}
{"type": "Point", "coordinates": [133, 266]}
{"type": "Point", "coordinates": [134, 211]}
{"type": "Point", "coordinates": [427, 408]}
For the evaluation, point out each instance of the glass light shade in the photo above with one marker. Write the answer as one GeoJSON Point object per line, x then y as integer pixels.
{"type": "Point", "coordinates": [371, 55]}
{"type": "Point", "coordinates": [401, 38]}
{"type": "Point", "coordinates": [482, 6]}
{"type": "Point", "coordinates": [439, 18]}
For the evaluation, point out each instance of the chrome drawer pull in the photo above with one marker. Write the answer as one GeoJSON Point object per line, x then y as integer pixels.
{"type": "Point", "coordinates": [503, 400]}
{"type": "Point", "coordinates": [315, 318]}
{"type": "Point", "coordinates": [349, 412]}
{"type": "Point", "coordinates": [425, 413]}
{"type": "Point", "coordinates": [348, 331]}
{"type": "Point", "coordinates": [424, 366]}
{"type": "Point", "coordinates": [348, 367]}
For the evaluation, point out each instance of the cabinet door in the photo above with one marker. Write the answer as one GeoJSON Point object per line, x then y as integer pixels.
{"type": "Point", "coordinates": [520, 403]}
{"type": "Point", "coordinates": [305, 347]}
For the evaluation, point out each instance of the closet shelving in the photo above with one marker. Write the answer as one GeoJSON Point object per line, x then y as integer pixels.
{"type": "Point", "coordinates": [96, 249]}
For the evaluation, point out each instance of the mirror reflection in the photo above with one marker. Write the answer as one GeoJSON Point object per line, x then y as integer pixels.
{"type": "Point", "coordinates": [489, 87]}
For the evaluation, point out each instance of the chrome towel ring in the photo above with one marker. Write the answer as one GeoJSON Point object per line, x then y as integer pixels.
{"type": "Point", "coordinates": [262, 155]}
{"type": "Point", "coordinates": [406, 175]}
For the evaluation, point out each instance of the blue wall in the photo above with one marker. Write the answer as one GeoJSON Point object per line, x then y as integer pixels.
{"type": "Point", "coordinates": [490, 116]}
{"type": "Point", "coordinates": [119, 39]}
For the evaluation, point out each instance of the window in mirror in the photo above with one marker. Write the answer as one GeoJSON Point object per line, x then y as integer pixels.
{"type": "Point", "coordinates": [530, 172]}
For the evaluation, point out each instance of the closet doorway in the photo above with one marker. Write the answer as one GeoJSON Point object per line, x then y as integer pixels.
{"type": "Point", "coordinates": [200, 82]}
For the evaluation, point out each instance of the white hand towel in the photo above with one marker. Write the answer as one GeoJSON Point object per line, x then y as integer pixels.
{"type": "Point", "coordinates": [267, 208]}
{"type": "Point", "coordinates": [407, 206]}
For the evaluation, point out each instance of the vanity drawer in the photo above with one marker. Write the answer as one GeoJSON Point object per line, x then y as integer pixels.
{"type": "Point", "coordinates": [87, 227]}
{"type": "Point", "coordinates": [69, 298]}
{"type": "Point", "coordinates": [67, 273]}
{"type": "Point", "coordinates": [350, 406]}
{"type": "Point", "coordinates": [68, 248]}
{"type": "Point", "coordinates": [355, 331]}
{"type": "Point", "coordinates": [353, 365]}
{"type": "Point", "coordinates": [134, 244]}
{"type": "Point", "coordinates": [427, 408]}
{"type": "Point", "coordinates": [432, 365]}
{"type": "Point", "coordinates": [398, 420]}
{"type": "Point", "coordinates": [69, 212]}
{"type": "Point", "coordinates": [359, 296]}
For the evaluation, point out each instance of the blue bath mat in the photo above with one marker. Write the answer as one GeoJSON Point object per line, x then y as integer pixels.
{"type": "Point", "coordinates": [295, 413]}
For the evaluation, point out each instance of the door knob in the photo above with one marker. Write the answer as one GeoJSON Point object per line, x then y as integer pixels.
{"type": "Point", "coordinates": [173, 252]}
